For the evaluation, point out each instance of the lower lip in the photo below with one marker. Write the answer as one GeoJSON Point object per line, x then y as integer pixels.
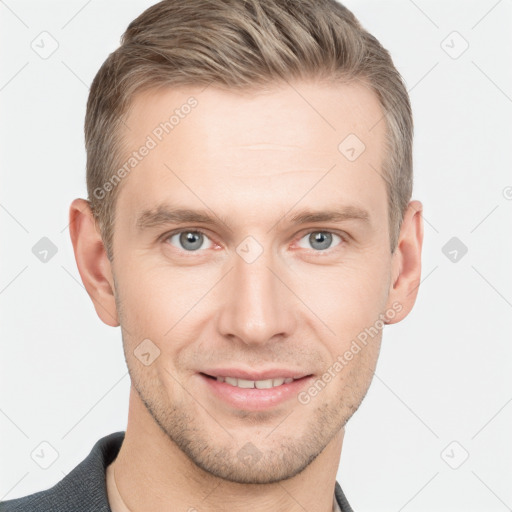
{"type": "Point", "coordinates": [253, 399]}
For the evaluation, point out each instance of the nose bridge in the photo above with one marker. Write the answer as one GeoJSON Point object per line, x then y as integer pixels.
{"type": "Point", "coordinates": [256, 308]}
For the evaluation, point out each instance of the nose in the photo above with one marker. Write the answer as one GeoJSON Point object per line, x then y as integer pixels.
{"type": "Point", "coordinates": [257, 308]}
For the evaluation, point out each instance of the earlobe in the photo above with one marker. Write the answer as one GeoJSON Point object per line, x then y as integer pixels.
{"type": "Point", "coordinates": [406, 263]}
{"type": "Point", "coordinates": [92, 261]}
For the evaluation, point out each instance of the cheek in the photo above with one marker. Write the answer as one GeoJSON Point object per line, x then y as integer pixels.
{"type": "Point", "coordinates": [347, 297]}
{"type": "Point", "coordinates": [156, 297]}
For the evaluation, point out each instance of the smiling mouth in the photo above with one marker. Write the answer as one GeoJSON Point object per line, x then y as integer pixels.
{"type": "Point", "coordinates": [258, 384]}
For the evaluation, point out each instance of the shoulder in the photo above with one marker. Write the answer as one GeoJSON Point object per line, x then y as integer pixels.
{"type": "Point", "coordinates": [82, 490]}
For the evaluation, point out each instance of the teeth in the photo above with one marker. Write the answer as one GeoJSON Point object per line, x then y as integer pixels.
{"type": "Point", "coordinates": [242, 383]}
{"type": "Point", "coordinates": [231, 380]}
{"type": "Point", "coordinates": [264, 384]}
{"type": "Point", "coordinates": [259, 384]}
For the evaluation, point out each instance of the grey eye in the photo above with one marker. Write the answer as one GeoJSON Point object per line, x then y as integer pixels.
{"type": "Point", "coordinates": [189, 240]}
{"type": "Point", "coordinates": [319, 240]}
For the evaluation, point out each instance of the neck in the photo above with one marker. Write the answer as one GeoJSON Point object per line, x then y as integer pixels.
{"type": "Point", "coordinates": [152, 473]}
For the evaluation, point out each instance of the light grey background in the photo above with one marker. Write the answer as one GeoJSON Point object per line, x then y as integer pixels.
{"type": "Point", "coordinates": [442, 388]}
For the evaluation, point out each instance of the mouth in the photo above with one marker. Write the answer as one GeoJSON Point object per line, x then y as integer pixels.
{"type": "Point", "coordinates": [254, 391]}
{"type": "Point", "coordinates": [249, 384]}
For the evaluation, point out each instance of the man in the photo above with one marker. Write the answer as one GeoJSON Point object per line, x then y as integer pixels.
{"type": "Point", "coordinates": [249, 226]}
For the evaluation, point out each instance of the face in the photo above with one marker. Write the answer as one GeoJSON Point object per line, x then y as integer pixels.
{"type": "Point", "coordinates": [250, 246]}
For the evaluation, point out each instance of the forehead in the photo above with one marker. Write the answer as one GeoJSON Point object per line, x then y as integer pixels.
{"type": "Point", "coordinates": [262, 148]}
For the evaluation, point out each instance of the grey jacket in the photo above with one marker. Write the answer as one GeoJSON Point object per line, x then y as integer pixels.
{"type": "Point", "coordinates": [84, 488]}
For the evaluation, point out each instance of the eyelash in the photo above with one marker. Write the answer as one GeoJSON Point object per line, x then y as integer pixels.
{"type": "Point", "coordinates": [320, 253]}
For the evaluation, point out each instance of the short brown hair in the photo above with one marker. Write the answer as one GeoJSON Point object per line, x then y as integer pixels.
{"type": "Point", "coordinates": [239, 44]}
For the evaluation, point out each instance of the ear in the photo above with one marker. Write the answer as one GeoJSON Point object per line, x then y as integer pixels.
{"type": "Point", "coordinates": [406, 263]}
{"type": "Point", "coordinates": [92, 261]}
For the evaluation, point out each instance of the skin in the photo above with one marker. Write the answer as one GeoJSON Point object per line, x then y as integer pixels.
{"type": "Point", "coordinates": [254, 160]}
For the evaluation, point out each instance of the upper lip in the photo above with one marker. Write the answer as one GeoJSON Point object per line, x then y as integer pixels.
{"type": "Point", "coordinates": [239, 373]}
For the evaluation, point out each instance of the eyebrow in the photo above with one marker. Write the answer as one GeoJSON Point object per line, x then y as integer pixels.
{"type": "Point", "coordinates": [163, 215]}
{"type": "Point", "coordinates": [338, 215]}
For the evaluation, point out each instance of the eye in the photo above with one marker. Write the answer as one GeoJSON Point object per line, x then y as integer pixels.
{"type": "Point", "coordinates": [319, 240]}
{"type": "Point", "coordinates": [190, 241]}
